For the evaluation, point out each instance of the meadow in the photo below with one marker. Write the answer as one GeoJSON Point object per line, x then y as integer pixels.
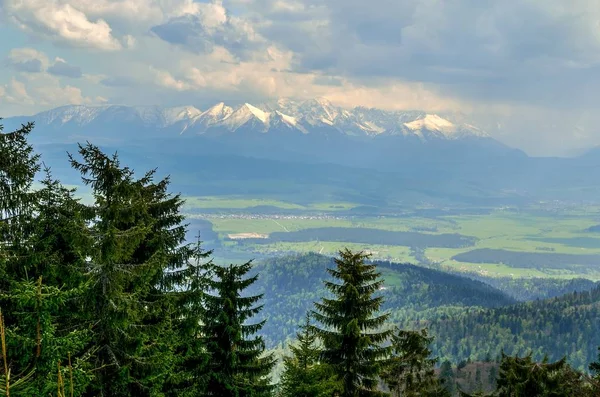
{"type": "Point", "coordinates": [545, 233]}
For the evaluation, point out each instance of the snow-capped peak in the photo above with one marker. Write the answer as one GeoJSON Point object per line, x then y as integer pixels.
{"type": "Point", "coordinates": [243, 115]}
{"type": "Point", "coordinates": [262, 116]}
{"type": "Point", "coordinates": [431, 122]}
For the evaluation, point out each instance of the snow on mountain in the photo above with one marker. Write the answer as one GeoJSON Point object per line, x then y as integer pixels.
{"type": "Point", "coordinates": [432, 124]}
{"type": "Point", "coordinates": [310, 116]}
{"type": "Point", "coordinates": [77, 114]}
{"type": "Point", "coordinates": [212, 116]}
{"type": "Point", "coordinates": [246, 115]}
{"type": "Point", "coordinates": [180, 114]}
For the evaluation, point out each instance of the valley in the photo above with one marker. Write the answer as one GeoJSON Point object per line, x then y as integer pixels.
{"type": "Point", "coordinates": [539, 241]}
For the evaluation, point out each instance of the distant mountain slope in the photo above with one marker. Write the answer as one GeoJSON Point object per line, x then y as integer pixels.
{"type": "Point", "coordinates": [528, 289]}
{"type": "Point", "coordinates": [566, 325]}
{"type": "Point", "coordinates": [291, 284]}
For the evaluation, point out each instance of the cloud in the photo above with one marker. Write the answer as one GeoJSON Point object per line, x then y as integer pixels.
{"type": "Point", "coordinates": [328, 80]}
{"type": "Point", "coordinates": [61, 21]}
{"type": "Point", "coordinates": [208, 25]}
{"type": "Point", "coordinates": [520, 51]}
{"type": "Point", "coordinates": [15, 93]}
{"type": "Point", "coordinates": [62, 68]}
{"type": "Point", "coordinates": [43, 90]}
{"type": "Point", "coordinates": [26, 60]}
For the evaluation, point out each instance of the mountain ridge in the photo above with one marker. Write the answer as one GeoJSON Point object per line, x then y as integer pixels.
{"type": "Point", "coordinates": [303, 117]}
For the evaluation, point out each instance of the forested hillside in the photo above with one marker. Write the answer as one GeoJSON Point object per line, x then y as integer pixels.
{"type": "Point", "coordinates": [291, 284]}
{"type": "Point", "coordinates": [557, 327]}
{"type": "Point", "coordinates": [527, 289]}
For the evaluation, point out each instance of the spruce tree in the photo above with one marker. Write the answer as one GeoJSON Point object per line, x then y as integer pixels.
{"type": "Point", "coordinates": [351, 332]}
{"type": "Point", "coordinates": [304, 375]}
{"type": "Point", "coordinates": [410, 371]}
{"type": "Point", "coordinates": [60, 238]}
{"type": "Point", "coordinates": [18, 167]}
{"type": "Point", "coordinates": [186, 288]}
{"type": "Point", "coordinates": [40, 255]}
{"type": "Point", "coordinates": [129, 255]}
{"type": "Point", "coordinates": [522, 376]}
{"type": "Point", "coordinates": [237, 365]}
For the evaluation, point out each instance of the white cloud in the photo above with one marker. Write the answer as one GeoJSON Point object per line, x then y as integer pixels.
{"type": "Point", "coordinates": [27, 60]}
{"type": "Point", "coordinates": [61, 21]}
{"type": "Point", "coordinates": [203, 27]}
{"type": "Point", "coordinates": [15, 93]}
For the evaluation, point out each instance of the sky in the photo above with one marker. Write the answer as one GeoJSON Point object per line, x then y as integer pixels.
{"type": "Point", "coordinates": [526, 71]}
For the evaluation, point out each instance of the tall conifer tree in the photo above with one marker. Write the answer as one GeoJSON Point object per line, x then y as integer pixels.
{"type": "Point", "coordinates": [237, 366]}
{"type": "Point", "coordinates": [18, 167]}
{"type": "Point", "coordinates": [304, 375]}
{"type": "Point", "coordinates": [351, 332]}
{"type": "Point", "coordinates": [410, 371]}
{"type": "Point", "coordinates": [122, 271]}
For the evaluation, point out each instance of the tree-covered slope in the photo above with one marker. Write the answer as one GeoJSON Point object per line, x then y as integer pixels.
{"type": "Point", "coordinates": [291, 284]}
{"type": "Point", "coordinates": [567, 325]}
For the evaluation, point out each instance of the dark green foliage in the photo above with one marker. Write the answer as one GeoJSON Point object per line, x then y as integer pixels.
{"type": "Point", "coordinates": [18, 166]}
{"type": "Point", "coordinates": [351, 325]}
{"type": "Point", "coordinates": [186, 287]}
{"type": "Point", "coordinates": [595, 367]}
{"type": "Point", "coordinates": [410, 371]}
{"type": "Point", "coordinates": [528, 289]}
{"type": "Point", "coordinates": [236, 366]}
{"type": "Point", "coordinates": [304, 375]}
{"type": "Point", "coordinates": [368, 236]}
{"type": "Point", "coordinates": [566, 325]}
{"type": "Point", "coordinates": [41, 258]}
{"type": "Point", "coordinates": [133, 244]}
{"type": "Point", "coordinates": [38, 341]}
{"type": "Point", "coordinates": [446, 377]}
{"type": "Point", "coordinates": [521, 376]}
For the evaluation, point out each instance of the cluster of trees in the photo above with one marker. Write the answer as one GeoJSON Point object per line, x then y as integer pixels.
{"type": "Point", "coordinates": [108, 299]}
{"type": "Point", "coordinates": [470, 319]}
{"type": "Point", "coordinates": [351, 352]}
{"type": "Point", "coordinates": [565, 325]}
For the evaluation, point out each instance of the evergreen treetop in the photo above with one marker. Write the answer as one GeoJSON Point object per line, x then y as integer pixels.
{"type": "Point", "coordinates": [352, 332]}
{"type": "Point", "coordinates": [237, 365]}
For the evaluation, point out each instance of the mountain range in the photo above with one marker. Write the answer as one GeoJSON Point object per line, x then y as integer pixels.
{"type": "Point", "coordinates": [307, 117]}
{"type": "Point", "coordinates": [298, 148]}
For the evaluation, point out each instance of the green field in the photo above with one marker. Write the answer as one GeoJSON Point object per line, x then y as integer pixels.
{"type": "Point", "coordinates": [531, 230]}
